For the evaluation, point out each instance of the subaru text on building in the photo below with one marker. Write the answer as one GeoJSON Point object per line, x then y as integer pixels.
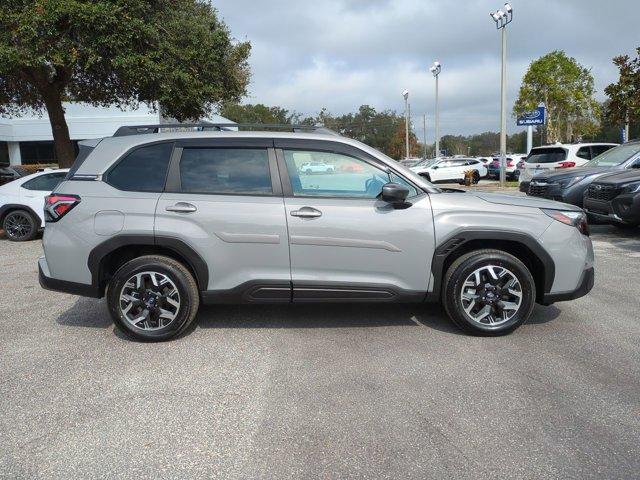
{"type": "Point", "coordinates": [161, 222]}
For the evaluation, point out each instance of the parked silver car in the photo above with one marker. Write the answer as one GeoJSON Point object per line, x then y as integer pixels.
{"type": "Point", "coordinates": [162, 222]}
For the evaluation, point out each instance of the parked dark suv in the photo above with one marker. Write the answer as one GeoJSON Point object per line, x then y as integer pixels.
{"type": "Point", "coordinates": [569, 185]}
{"type": "Point", "coordinates": [615, 199]}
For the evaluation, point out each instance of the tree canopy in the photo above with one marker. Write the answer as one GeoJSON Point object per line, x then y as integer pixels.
{"type": "Point", "coordinates": [174, 53]}
{"type": "Point", "coordinates": [567, 90]}
{"type": "Point", "coordinates": [624, 95]}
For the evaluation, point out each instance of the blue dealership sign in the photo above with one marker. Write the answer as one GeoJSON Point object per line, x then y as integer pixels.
{"type": "Point", "coordinates": [536, 117]}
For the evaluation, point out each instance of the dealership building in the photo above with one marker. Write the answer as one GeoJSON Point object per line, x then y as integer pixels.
{"type": "Point", "coordinates": [27, 139]}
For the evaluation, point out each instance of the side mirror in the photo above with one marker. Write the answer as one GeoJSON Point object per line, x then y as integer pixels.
{"type": "Point", "coordinates": [394, 193]}
{"type": "Point", "coordinates": [435, 167]}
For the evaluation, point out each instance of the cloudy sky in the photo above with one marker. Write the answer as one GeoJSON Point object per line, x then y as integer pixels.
{"type": "Point", "coordinates": [341, 54]}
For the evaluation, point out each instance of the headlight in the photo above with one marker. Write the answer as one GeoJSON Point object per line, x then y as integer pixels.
{"type": "Point", "coordinates": [570, 182]}
{"type": "Point", "coordinates": [571, 218]}
{"type": "Point", "coordinates": [631, 187]}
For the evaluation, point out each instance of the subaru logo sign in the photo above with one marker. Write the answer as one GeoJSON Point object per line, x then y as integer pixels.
{"type": "Point", "coordinates": [535, 117]}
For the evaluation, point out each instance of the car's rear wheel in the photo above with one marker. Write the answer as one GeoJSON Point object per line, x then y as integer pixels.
{"type": "Point", "coordinates": [476, 176]}
{"type": "Point", "coordinates": [153, 298]}
{"type": "Point", "coordinates": [20, 226]}
{"type": "Point", "coordinates": [488, 292]}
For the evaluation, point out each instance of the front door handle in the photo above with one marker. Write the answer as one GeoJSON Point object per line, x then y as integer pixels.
{"type": "Point", "coordinates": [306, 212]}
{"type": "Point", "coordinates": [181, 207]}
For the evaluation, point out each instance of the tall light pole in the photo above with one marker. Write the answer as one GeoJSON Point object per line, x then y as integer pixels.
{"type": "Point", "coordinates": [502, 19]}
{"type": "Point", "coordinates": [435, 69]}
{"type": "Point", "coordinates": [405, 94]}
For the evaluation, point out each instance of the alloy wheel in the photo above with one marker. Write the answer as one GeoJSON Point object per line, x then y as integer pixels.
{"type": "Point", "coordinates": [18, 225]}
{"type": "Point", "coordinates": [491, 295]}
{"type": "Point", "coordinates": [149, 300]}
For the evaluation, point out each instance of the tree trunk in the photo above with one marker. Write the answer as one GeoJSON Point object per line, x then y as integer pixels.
{"type": "Point", "coordinates": [65, 152]}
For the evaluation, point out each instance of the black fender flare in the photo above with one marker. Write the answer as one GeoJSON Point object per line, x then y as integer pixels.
{"type": "Point", "coordinates": [196, 262]}
{"type": "Point", "coordinates": [5, 209]}
{"type": "Point", "coordinates": [459, 238]}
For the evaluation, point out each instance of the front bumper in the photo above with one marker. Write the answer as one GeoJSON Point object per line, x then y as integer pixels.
{"type": "Point", "coordinates": [584, 287]}
{"type": "Point", "coordinates": [49, 283]}
{"type": "Point", "coordinates": [624, 209]}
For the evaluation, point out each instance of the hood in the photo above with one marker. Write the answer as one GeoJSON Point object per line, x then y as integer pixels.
{"type": "Point", "coordinates": [569, 173]}
{"type": "Point", "coordinates": [533, 202]}
{"type": "Point", "coordinates": [625, 176]}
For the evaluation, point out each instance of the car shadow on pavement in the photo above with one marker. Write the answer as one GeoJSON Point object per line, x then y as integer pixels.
{"type": "Point", "coordinates": [542, 314]}
{"type": "Point", "coordinates": [338, 315]}
{"type": "Point", "coordinates": [86, 312]}
{"type": "Point", "coordinates": [92, 313]}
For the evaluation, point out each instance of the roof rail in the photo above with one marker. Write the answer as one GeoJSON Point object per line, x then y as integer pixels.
{"type": "Point", "coordinates": [219, 127]}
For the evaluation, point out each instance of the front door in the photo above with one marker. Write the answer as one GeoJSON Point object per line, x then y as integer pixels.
{"type": "Point", "coordinates": [226, 200]}
{"type": "Point", "coordinates": [345, 243]}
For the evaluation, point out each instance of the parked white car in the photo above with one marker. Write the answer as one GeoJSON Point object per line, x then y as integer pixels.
{"type": "Point", "coordinates": [451, 170]}
{"type": "Point", "coordinates": [22, 203]}
{"type": "Point", "coordinates": [559, 156]}
{"type": "Point", "coordinates": [316, 167]}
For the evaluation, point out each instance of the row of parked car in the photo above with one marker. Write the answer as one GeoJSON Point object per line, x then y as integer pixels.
{"type": "Point", "coordinates": [607, 187]}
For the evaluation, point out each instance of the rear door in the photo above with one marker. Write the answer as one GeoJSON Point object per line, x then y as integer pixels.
{"type": "Point", "coordinates": [224, 198]}
{"type": "Point", "coordinates": [345, 243]}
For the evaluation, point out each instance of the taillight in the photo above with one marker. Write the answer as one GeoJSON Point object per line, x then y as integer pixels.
{"type": "Point", "coordinates": [57, 205]}
{"type": "Point", "coordinates": [509, 162]}
{"type": "Point", "coordinates": [520, 165]}
{"type": "Point", "coordinates": [566, 165]}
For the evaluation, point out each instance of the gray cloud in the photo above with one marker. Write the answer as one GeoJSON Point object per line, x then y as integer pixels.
{"type": "Point", "coordinates": [341, 54]}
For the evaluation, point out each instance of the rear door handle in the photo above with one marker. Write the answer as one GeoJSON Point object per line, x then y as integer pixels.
{"type": "Point", "coordinates": [306, 212]}
{"type": "Point", "coordinates": [181, 207]}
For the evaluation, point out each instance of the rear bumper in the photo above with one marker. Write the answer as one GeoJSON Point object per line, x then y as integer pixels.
{"type": "Point", "coordinates": [49, 283]}
{"type": "Point", "coordinates": [584, 287]}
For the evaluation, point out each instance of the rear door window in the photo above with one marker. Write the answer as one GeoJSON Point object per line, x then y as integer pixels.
{"type": "Point", "coordinates": [547, 155]}
{"type": "Point", "coordinates": [584, 152]}
{"type": "Point", "coordinates": [240, 171]}
{"type": "Point", "coordinates": [142, 170]}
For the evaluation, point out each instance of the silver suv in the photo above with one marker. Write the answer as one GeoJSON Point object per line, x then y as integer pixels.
{"type": "Point", "coordinates": [161, 222]}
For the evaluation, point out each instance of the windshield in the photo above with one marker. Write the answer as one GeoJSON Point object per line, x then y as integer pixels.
{"type": "Point", "coordinates": [615, 156]}
{"type": "Point", "coordinates": [547, 155]}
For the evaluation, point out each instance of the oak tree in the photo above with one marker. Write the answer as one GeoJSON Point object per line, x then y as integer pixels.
{"type": "Point", "coordinates": [174, 53]}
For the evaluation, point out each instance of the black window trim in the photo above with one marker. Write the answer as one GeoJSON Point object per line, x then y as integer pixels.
{"type": "Point", "coordinates": [174, 182]}
{"type": "Point", "coordinates": [105, 175]}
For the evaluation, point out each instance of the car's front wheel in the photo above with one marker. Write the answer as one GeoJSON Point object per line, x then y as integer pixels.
{"type": "Point", "coordinates": [20, 226]}
{"type": "Point", "coordinates": [153, 298]}
{"type": "Point", "coordinates": [488, 292]}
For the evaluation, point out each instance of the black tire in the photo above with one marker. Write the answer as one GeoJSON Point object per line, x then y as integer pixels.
{"type": "Point", "coordinates": [189, 298]}
{"type": "Point", "coordinates": [20, 226]}
{"type": "Point", "coordinates": [463, 267]}
{"type": "Point", "coordinates": [476, 177]}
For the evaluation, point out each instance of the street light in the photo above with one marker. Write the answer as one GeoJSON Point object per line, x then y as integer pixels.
{"type": "Point", "coordinates": [405, 94]}
{"type": "Point", "coordinates": [435, 69]}
{"type": "Point", "coordinates": [502, 19]}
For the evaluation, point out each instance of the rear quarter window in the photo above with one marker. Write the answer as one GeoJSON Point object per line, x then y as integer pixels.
{"type": "Point", "coordinates": [143, 169]}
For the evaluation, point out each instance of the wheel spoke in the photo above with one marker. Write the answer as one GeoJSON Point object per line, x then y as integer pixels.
{"type": "Point", "coordinates": [149, 300]}
{"type": "Point", "coordinates": [491, 295]}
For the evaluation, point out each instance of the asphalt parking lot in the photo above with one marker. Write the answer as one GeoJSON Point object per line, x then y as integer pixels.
{"type": "Point", "coordinates": [329, 392]}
